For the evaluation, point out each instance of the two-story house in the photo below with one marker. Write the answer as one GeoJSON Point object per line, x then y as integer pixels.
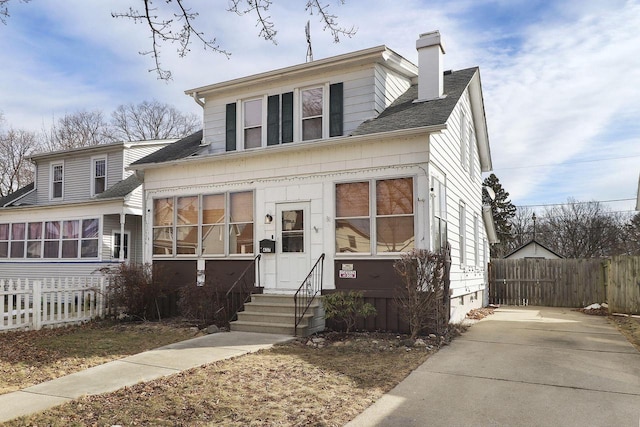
{"type": "Point", "coordinates": [82, 211]}
{"type": "Point", "coordinates": [359, 157]}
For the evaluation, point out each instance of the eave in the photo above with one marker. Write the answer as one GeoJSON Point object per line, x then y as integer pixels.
{"type": "Point", "coordinates": [291, 148]}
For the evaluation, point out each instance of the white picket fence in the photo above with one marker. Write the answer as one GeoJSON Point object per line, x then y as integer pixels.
{"type": "Point", "coordinates": [34, 303]}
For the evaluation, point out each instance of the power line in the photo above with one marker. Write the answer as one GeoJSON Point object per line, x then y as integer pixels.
{"type": "Point", "coordinates": [567, 163]}
{"type": "Point", "coordinates": [578, 203]}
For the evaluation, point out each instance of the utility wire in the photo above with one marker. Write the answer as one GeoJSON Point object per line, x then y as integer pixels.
{"type": "Point", "coordinates": [567, 163]}
{"type": "Point", "coordinates": [577, 203]}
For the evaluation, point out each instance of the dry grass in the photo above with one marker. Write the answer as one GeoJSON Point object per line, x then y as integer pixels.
{"type": "Point", "coordinates": [31, 357]}
{"type": "Point", "coordinates": [302, 383]}
{"type": "Point", "coordinates": [629, 327]}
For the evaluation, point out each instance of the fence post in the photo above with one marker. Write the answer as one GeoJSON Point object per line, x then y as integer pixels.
{"type": "Point", "coordinates": [36, 305]}
{"type": "Point", "coordinates": [606, 273]}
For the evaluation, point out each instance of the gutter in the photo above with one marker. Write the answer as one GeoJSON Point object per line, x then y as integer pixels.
{"type": "Point", "coordinates": [299, 146]}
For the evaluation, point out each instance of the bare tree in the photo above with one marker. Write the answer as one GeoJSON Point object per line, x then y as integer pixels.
{"type": "Point", "coordinates": [174, 24]}
{"type": "Point", "coordinates": [151, 120]}
{"type": "Point", "coordinates": [581, 230]}
{"type": "Point", "coordinates": [631, 235]}
{"type": "Point", "coordinates": [16, 170]}
{"type": "Point", "coordinates": [4, 10]}
{"type": "Point", "coordinates": [521, 227]}
{"type": "Point", "coordinates": [80, 129]}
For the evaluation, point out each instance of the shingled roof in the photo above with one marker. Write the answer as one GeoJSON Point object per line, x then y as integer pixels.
{"type": "Point", "coordinates": [178, 150]}
{"type": "Point", "coordinates": [9, 199]}
{"type": "Point", "coordinates": [405, 113]}
{"type": "Point", "coordinates": [121, 188]}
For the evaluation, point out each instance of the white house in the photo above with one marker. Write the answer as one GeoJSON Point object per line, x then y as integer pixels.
{"type": "Point", "coordinates": [83, 211]}
{"type": "Point", "coordinates": [359, 157]}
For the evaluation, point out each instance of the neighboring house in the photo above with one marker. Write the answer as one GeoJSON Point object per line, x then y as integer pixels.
{"type": "Point", "coordinates": [83, 211]}
{"type": "Point", "coordinates": [361, 156]}
{"type": "Point", "coordinates": [533, 249]}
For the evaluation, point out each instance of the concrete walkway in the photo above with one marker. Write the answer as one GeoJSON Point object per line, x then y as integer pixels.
{"type": "Point", "coordinates": [530, 366]}
{"type": "Point", "coordinates": [134, 369]}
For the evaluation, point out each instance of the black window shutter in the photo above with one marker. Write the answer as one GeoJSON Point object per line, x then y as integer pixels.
{"type": "Point", "coordinates": [287, 117]}
{"type": "Point", "coordinates": [273, 120]}
{"type": "Point", "coordinates": [336, 109]}
{"type": "Point", "coordinates": [231, 127]}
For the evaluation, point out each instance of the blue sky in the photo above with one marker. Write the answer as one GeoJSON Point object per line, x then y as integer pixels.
{"type": "Point", "coordinates": [559, 77]}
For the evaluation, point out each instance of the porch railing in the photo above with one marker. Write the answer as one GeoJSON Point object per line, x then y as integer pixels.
{"type": "Point", "coordinates": [306, 293]}
{"type": "Point", "coordinates": [240, 292]}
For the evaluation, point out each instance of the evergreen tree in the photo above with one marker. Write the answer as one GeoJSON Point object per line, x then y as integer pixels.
{"type": "Point", "coordinates": [503, 211]}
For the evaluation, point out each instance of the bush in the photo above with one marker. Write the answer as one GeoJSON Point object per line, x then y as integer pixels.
{"type": "Point", "coordinates": [131, 288]}
{"type": "Point", "coordinates": [420, 295]}
{"type": "Point", "coordinates": [347, 308]}
{"type": "Point", "coordinates": [202, 304]}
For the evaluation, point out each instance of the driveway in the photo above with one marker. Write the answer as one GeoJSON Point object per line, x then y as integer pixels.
{"type": "Point", "coordinates": [522, 366]}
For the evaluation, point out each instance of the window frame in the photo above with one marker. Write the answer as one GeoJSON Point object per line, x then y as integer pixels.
{"type": "Point", "coordinates": [462, 233]}
{"type": "Point", "coordinates": [53, 181]}
{"type": "Point", "coordinates": [374, 216]}
{"type": "Point", "coordinates": [227, 227]}
{"type": "Point", "coordinates": [324, 116]}
{"type": "Point", "coordinates": [94, 177]}
{"type": "Point", "coordinates": [127, 245]}
{"type": "Point", "coordinates": [438, 213]}
{"type": "Point", "coordinates": [243, 128]}
{"type": "Point", "coordinates": [43, 241]}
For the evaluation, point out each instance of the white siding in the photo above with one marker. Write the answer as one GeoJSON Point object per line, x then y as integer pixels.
{"type": "Point", "coordinates": [367, 91]}
{"type": "Point", "coordinates": [468, 280]}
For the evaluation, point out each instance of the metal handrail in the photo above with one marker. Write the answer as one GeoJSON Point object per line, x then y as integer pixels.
{"type": "Point", "coordinates": [245, 288]}
{"type": "Point", "coordinates": [306, 293]}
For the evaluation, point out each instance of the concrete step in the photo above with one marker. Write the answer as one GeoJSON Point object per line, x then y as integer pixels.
{"type": "Point", "coordinates": [267, 328]}
{"type": "Point", "coordinates": [265, 317]}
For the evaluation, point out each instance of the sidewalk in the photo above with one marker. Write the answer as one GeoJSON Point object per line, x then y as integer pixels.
{"type": "Point", "coordinates": [131, 370]}
{"type": "Point", "coordinates": [521, 366]}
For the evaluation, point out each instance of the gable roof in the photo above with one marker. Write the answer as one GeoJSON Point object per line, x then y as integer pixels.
{"type": "Point", "coordinates": [404, 113]}
{"type": "Point", "coordinates": [533, 241]}
{"type": "Point", "coordinates": [11, 198]}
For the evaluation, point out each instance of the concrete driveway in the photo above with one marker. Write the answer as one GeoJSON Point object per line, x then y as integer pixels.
{"type": "Point", "coordinates": [522, 366]}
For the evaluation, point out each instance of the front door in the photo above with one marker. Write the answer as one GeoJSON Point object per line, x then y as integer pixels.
{"type": "Point", "coordinates": [293, 246]}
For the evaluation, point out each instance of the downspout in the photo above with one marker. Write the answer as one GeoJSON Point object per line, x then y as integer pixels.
{"type": "Point", "coordinates": [196, 98]}
{"type": "Point", "coordinates": [122, 221]}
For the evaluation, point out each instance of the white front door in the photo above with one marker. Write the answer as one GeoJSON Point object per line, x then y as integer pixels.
{"type": "Point", "coordinates": [293, 248]}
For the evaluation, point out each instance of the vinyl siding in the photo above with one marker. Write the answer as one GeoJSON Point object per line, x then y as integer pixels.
{"type": "Point", "coordinates": [367, 91]}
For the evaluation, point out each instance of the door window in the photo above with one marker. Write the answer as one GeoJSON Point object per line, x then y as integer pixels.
{"type": "Point", "coordinates": [293, 231]}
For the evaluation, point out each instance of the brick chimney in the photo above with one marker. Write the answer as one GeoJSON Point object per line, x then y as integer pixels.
{"type": "Point", "coordinates": [430, 51]}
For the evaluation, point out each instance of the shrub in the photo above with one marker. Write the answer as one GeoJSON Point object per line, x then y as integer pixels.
{"type": "Point", "coordinates": [202, 304]}
{"type": "Point", "coordinates": [132, 289]}
{"type": "Point", "coordinates": [347, 307]}
{"type": "Point", "coordinates": [420, 294]}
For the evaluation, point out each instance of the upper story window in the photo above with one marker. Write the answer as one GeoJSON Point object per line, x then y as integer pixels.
{"type": "Point", "coordinates": [312, 107]}
{"type": "Point", "coordinates": [252, 123]}
{"type": "Point", "coordinates": [300, 115]}
{"type": "Point", "coordinates": [57, 180]}
{"type": "Point", "coordinates": [99, 178]}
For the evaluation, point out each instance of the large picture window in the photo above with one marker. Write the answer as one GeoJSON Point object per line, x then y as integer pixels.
{"type": "Point", "coordinates": [71, 239]}
{"type": "Point", "coordinates": [209, 224]}
{"type": "Point", "coordinates": [392, 221]}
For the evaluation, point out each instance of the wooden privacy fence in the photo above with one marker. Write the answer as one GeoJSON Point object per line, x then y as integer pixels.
{"type": "Point", "coordinates": [34, 303]}
{"type": "Point", "coordinates": [567, 282]}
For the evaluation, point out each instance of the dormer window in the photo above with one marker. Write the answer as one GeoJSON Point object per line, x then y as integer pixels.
{"type": "Point", "coordinates": [252, 123]}
{"type": "Point", "coordinates": [99, 172]}
{"type": "Point", "coordinates": [312, 108]}
{"type": "Point", "coordinates": [57, 180]}
{"type": "Point", "coordinates": [303, 114]}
